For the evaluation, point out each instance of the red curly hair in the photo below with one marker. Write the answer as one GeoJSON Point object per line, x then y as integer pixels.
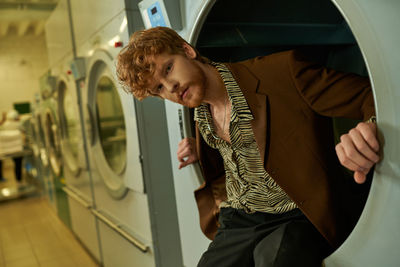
{"type": "Point", "coordinates": [135, 66]}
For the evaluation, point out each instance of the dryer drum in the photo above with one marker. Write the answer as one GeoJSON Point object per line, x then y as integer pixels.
{"type": "Point", "coordinates": [348, 35]}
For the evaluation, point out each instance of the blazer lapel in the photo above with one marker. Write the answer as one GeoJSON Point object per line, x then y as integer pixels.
{"type": "Point", "coordinates": [249, 83]}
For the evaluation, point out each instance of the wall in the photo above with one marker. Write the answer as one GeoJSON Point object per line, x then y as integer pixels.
{"type": "Point", "coordinates": [23, 59]}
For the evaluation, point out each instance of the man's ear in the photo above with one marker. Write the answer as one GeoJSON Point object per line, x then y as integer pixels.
{"type": "Point", "coordinates": [189, 51]}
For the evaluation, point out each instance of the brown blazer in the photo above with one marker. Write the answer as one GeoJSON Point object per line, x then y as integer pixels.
{"type": "Point", "coordinates": [292, 101]}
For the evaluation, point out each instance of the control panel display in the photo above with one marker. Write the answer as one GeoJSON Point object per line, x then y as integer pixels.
{"type": "Point", "coordinates": [156, 15]}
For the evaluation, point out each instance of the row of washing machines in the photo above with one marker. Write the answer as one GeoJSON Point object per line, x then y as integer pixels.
{"type": "Point", "coordinates": [108, 162]}
{"type": "Point", "coordinates": [87, 138]}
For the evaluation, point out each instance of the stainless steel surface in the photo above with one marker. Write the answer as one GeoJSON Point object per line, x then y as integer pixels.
{"type": "Point", "coordinates": [76, 197]}
{"type": "Point", "coordinates": [143, 247]}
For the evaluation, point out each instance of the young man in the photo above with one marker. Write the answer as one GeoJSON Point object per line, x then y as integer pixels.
{"type": "Point", "coordinates": [264, 142]}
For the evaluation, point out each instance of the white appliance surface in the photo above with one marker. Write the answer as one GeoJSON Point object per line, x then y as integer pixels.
{"type": "Point", "coordinates": [77, 178]}
{"type": "Point", "coordinates": [58, 35]}
{"type": "Point", "coordinates": [90, 16]}
{"type": "Point", "coordinates": [375, 239]}
{"type": "Point", "coordinates": [188, 179]}
{"type": "Point", "coordinates": [119, 194]}
{"type": "Point", "coordinates": [46, 175]}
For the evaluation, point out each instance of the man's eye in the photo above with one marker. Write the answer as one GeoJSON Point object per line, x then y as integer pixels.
{"type": "Point", "coordinates": [168, 69]}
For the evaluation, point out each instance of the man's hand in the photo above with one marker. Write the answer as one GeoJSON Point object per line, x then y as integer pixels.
{"type": "Point", "coordinates": [187, 153]}
{"type": "Point", "coordinates": [358, 150]}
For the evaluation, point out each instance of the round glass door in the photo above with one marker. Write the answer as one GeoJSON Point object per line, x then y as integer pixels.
{"type": "Point", "coordinates": [70, 130]}
{"type": "Point", "coordinates": [42, 141]}
{"type": "Point", "coordinates": [34, 137]}
{"type": "Point", "coordinates": [53, 143]}
{"type": "Point", "coordinates": [111, 124]}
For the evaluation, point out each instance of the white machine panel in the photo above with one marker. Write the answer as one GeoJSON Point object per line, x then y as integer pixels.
{"type": "Point", "coordinates": [131, 254]}
{"type": "Point", "coordinates": [58, 33]}
{"type": "Point", "coordinates": [376, 238]}
{"type": "Point", "coordinates": [75, 170]}
{"type": "Point", "coordinates": [91, 15]}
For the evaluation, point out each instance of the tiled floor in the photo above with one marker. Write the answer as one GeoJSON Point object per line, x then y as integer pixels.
{"type": "Point", "coordinates": [31, 235]}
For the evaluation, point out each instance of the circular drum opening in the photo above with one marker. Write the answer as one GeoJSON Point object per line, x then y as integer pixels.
{"type": "Point", "coordinates": [54, 149]}
{"type": "Point", "coordinates": [107, 121]}
{"type": "Point", "coordinates": [70, 128]}
{"type": "Point", "coordinates": [235, 30]}
{"type": "Point", "coordinates": [111, 124]}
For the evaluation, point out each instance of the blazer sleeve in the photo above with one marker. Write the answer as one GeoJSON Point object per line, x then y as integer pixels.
{"type": "Point", "coordinates": [212, 192]}
{"type": "Point", "coordinates": [329, 92]}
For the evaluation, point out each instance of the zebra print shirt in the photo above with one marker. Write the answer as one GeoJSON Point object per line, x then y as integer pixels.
{"type": "Point", "coordinates": [248, 185]}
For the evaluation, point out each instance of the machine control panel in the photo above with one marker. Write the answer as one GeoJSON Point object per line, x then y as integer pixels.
{"type": "Point", "coordinates": [78, 68]}
{"type": "Point", "coordinates": [156, 16]}
{"type": "Point", "coordinates": [164, 13]}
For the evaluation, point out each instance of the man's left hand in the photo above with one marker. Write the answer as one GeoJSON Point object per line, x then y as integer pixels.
{"type": "Point", "coordinates": [358, 150]}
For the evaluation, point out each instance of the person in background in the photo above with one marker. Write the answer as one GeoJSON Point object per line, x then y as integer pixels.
{"type": "Point", "coordinates": [273, 192]}
{"type": "Point", "coordinates": [12, 125]}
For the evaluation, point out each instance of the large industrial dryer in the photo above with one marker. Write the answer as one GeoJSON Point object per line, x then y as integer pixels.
{"type": "Point", "coordinates": [352, 35]}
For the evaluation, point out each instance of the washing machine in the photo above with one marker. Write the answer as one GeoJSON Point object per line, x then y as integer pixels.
{"type": "Point", "coordinates": [74, 161]}
{"type": "Point", "coordinates": [34, 160]}
{"type": "Point", "coordinates": [353, 35]}
{"type": "Point", "coordinates": [46, 175]}
{"type": "Point", "coordinates": [120, 202]}
{"type": "Point", "coordinates": [61, 52]}
{"type": "Point", "coordinates": [39, 151]}
{"type": "Point", "coordinates": [51, 123]}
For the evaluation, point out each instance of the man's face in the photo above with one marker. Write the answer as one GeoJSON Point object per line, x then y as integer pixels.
{"type": "Point", "coordinates": [179, 78]}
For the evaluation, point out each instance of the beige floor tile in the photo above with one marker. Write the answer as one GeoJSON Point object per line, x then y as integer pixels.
{"type": "Point", "coordinates": [32, 235]}
{"type": "Point", "coordinates": [46, 252]}
{"type": "Point", "coordinates": [83, 259]}
{"type": "Point", "coordinates": [2, 263]}
{"type": "Point", "coordinates": [16, 247]}
{"type": "Point", "coordinates": [65, 261]}
{"type": "Point", "coordinates": [15, 235]}
{"type": "Point", "coordinates": [73, 246]}
{"type": "Point", "coordinates": [18, 255]}
{"type": "Point", "coordinates": [28, 262]}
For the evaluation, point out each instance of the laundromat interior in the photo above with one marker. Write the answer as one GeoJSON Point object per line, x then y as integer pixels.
{"type": "Point", "coordinates": [99, 183]}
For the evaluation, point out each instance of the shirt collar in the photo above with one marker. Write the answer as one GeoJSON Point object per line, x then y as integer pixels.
{"type": "Point", "coordinates": [240, 108]}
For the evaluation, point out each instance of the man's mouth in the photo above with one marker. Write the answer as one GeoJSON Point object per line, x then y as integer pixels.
{"type": "Point", "coordinates": [184, 93]}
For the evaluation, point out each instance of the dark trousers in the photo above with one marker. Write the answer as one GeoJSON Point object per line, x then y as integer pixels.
{"type": "Point", "coordinates": [263, 239]}
{"type": "Point", "coordinates": [18, 168]}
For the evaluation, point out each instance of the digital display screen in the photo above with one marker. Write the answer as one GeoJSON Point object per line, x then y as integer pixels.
{"type": "Point", "coordinates": [156, 16]}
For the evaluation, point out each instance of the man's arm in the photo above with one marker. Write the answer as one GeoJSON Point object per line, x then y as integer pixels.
{"type": "Point", "coordinates": [187, 153]}
{"type": "Point", "coordinates": [338, 94]}
{"type": "Point", "coordinates": [358, 150]}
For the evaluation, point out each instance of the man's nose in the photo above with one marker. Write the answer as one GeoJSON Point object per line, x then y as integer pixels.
{"type": "Point", "coordinates": [171, 85]}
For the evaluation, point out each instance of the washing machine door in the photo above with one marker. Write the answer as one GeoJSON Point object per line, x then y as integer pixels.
{"type": "Point", "coordinates": [70, 126]}
{"type": "Point", "coordinates": [376, 238]}
{"type": "Point", "coordinates": [374, 24]}
{"type": "Point", "coordinates": [34, 137]}
{"type": "Point", "coordinates": [53, 142]}
{"type": "Point", "coordinates": [113, 134]}
{"type": "Point", "coordinates": [42, 140]}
